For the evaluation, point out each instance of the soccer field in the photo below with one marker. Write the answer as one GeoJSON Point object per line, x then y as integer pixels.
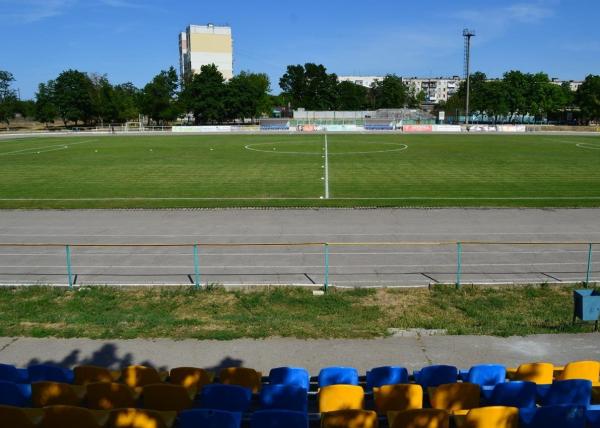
{"type": "Point", "coordinates": [300, 171]}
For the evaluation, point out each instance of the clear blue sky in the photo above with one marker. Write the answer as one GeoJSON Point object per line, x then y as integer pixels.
{"type": "Point", "coordinates": [132, 40]}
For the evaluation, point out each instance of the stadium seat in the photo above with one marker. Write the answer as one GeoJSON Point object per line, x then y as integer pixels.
{"type": "Point", "coordinates": [577, 392]}
{"type": "Point", "coordinates": [491, 417]}
{"type": "Point", "coordinates": [284, 397]}
{"type": "Point", "coordinates": [436, 375]}
{"type": "Point", "coordinates": [139, 376]}
{"type": "Point", "coordinates": [419, 418]}
{"type": "Point", "coordinates": [552, 416]}
{"type": "Point", "coordinates": [278, 419]}
{"type": "Point", "coordinates": [140, 418]}
{"type": "Point", "coordinates": [232, 398]}
{"type": "Point", "coordinates": [15, 394]}
{"type": "Point", "coordinates": [349, 418]}
{"type": "Point", "coordinates": [514, 394]}
{"type": "Point", "coordinates": [339, 397]}
{"type": "Point", "coordinates": [190, 377]}
{"type": "Point", "coordinates": [589, 370]}
{"type": "Point", "coordinates": [49, 373]}
{"type": "Point", "coordinates": [54, 393]}
{"type": "Point", "coordinates": [209, 418]}
{"type": "Point", "coordinates": [387, 375]}
{"type": "Point", "coordinates": [290, 376]}
{"type": "Point", "coordinates": [338, 376]}
{"type": "Point", "coordinates": [592, 417]}
{"type": "Point", "coordinates": [71, 417]}
{"type": "Point", "coordinates": [397, 397]}
{"type": "Point", "coordinates": [455, 396]}
{"type": "Point", "coordinates": [109, 396]}
{"type": "Point", "coordinates": [242, 376]}
{"type": "Point", "coordinates": [486, 375]}
{"type": "Point", "coordinates": [18, 417]}
{"type": "Point", "coordinates": [11, 373]}
{"type": "Point", "coordinates": [91, 374]}
{"type": "Point", "coordinates": [166, 397]}
{"type": "Point", "coordinates": [539, 373]}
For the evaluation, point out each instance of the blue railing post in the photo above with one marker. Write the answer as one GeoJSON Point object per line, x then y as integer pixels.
{"type": "Point", "coordinates": [458, 263]}
{"type": "Point", "coordinates": [69, 273]}
{"type": "Point", "coordinates": [589, 266]}
{"type": "Point", "coordinates": [196, 268]}
{"type": "Point", "coordinates": [326, 280]}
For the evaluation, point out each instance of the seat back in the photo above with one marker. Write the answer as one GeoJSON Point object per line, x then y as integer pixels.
{"type": "Point", "coordinates": [135, 418]}
{"type": "Point", "coordinates": [284, 397]}
{"type": "Point", "coordinates": [68, 417]}
{"type": "Point", "coordinates": [108, 396]}
{"type": "Point", "coordinates": [589, 370]}
{"type": "Point", "coordinates": [135, 376]}
{"type": "Point", "coordinates": [349, 418]}
{"type": "Point", "coordinates": [166, 397]}
{"type": "Point", "coordinates": [398, 397]}
{"type": "Point", "coordinates": [387, 375]}
{"type": "Point", "coordinates": [54, 393]}
{"type": "Point", "coordinates": [14, 394]}
{"type": "Point", "coordinates": [539, 373]}
{"type": "Point", "coordinates": [421, 418]}
{"type": "Point", "coordinates": [10, 373]}
{"type": "Point", "coordinates": [436, 375]}
{"type": "Point", "coordinates": [340, 397]}
{"type": "Point", "coordinates": [209, 418]}
{"type": "Point", "coordinates": [487, 374]}
{"type": "Point", "coordinates": [90, 374]}
{"type": "Point", "coordinates": [290, 376]}
{"type": "Point", "coordinates": [49, 373]}
{"type": "Point", "coordinates": [279, 418]}
{"type": "Point", "coordinates": [190, 377]}
{"type": "Point", "coordinates": [242, 376]}
{"type": "Point", "coordinates": [554, 416]}
{"type": "Point", "coordinates": [573, 392]}
{"type": "Point", "coordinates": [16, 417]}
{"type": "Point", "coordinates": [338, 376]}
{"type": "Point", "coordinates": [514, 394]}
{"type": "Point", "coordinates": [455, 396]}
{"type": "Point", "coordinates": [232, 398]}
{"type": "Point", "coordinates": [492, 417]}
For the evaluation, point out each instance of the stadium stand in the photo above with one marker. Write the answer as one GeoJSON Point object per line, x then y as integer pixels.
{"type": "Point", "coordinates": [379, 125]}
{"type": "Point", "coordinates": [274, 125]}
{"type": "Point", "coordinates": [435, 396]}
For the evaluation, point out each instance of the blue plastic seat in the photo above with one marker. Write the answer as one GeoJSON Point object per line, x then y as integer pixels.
{"type": "Point", "coordinates": [290, 376]}
{"type": "Point", "coordinates": [50, 373]}
{"type": "Point", "coordinates": [231, 398]}
{"type": "Point", "coordinates": [436, 375]}
{"type": "Point", "coordinates": [11, 373]}
{"type": "Point", "coordinates": [338, 376]}
{"type": "Point", "coordinates": [284, 397]}
{"type": "Point", "coordinates": [552, 417]}
{"type": "Point", "coordinates": [209, 418]}
{"type": "Point", "coordinates": [514, 394]}
{"type": "Point", "coordinates": [577, 392]}
{"type": "Point", "coordinates": [15, 394]}
{"type": "Point", "coordinates": [592, 416]}
{"type": "Point", "coordinates": [278, 419]}
{"type": "Point", "coordinates": [386, 375]}
{"type": "Point", "coordinates": [487, 376]}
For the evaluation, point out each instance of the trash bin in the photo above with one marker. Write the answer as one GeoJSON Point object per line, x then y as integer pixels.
{"type": "Point", "coordinates": [587, 306]}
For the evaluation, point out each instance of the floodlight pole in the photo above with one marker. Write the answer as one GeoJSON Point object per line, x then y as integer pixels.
{"type": "Point", "coordinates": [468, 34]}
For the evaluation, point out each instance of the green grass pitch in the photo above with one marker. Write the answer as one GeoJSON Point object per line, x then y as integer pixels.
{"type": "Point", "coordinates": [288, 171]}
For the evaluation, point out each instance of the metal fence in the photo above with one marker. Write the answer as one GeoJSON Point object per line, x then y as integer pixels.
{"type": "Point", "coordinates": [342, 264]}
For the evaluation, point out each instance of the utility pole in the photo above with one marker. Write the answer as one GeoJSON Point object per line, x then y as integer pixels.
{"type": "Point", "coordinates": [467, 35]}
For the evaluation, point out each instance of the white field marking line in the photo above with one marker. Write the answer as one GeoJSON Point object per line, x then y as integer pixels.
{"type": "Point", "coordinates": [53, 148]}
{"type": "Point", "coordinates": [400, 198]}
{"type": "Point", "coordinates": [326, 169]}
{"type": "Point", "coordinates": [251, 147]}
{"type": "Point", "coordinates": [589, 146]}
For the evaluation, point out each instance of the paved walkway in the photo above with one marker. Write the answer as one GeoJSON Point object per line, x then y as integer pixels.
{"type": "Point", "coordinates": [412, 352]}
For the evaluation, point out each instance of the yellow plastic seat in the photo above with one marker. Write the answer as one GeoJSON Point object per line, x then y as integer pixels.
{"type": "Point", "coordinates": [589, 370]}
{"type": "Point", "coordinates": [92, 374]}
{"type": "Point", "coordinates": [398, 397]}
{"type": "Point", "coordinates": [166, 397]}
{"type": "Point", "coordinates": [540, 373]}
{"type": "Point", "coordinates": [242, 376]}
{"type": "Point", "coordinates": [109, 396]}
{"type": "Point", "coordinates": [455, 396]}
{"type": "Point", "coordinates": [341, 397]}
{"type": "Point", "coordinates": [53, 393]}
{"type": "Point", "coordinates": [140, 418]}
{"type": "Point", "coordinates": [139, 376]}
{"type": "Point", "coordinates": [350, 418]}
{"type": "Point", "coordinates": [20, 417]}
{"type": "Point", "coordinates": [419, 418]}
{"type": "Point", "coordinates": [190, 377]}
{"type": "Point", "coordinates": [71, 417]}
{"type": "Point", "coordinates": [490, 417]}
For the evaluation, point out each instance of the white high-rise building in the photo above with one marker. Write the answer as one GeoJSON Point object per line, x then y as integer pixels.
{"type": "Point", "coordinates": [204, 45]}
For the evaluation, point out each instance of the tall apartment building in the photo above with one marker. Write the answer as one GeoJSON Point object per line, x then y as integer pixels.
{"type": "Point", "coordinates": [204, 45]}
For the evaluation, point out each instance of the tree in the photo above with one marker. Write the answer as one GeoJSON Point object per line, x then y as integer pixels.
{"type": "Point", "coordinates": [8, 98]}
{"type": "Point", "coordinates": [73, 91]}
{"type": "Point", "coordinates": [588, 98]}
{"type": "Point", "coordinates": [125, 100]}
{"type": "Point", "coordinates": [309, 86]}
{"type": "Point", "coordinates": [391, 92]}
{"type": "Point", "coordinates": [204, 95]}
{"type": "Point", "coordinates": [293, 85]}
{"type": "Point", "coordinates": [158, 99]}
{"type": "Point", "coordinates": [352, 96]}
{"type": "Point", "coordinates": [516, 93]}
{"type": "Point", "coordinates": [45, 109]}
{"type": "Point", "coordinates": [247, 96]}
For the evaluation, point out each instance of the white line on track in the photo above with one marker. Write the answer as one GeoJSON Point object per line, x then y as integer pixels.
{"type": "Point", "coordinates": [326, 169]}
{"type": "Point", "coordinates": [399, 198]}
